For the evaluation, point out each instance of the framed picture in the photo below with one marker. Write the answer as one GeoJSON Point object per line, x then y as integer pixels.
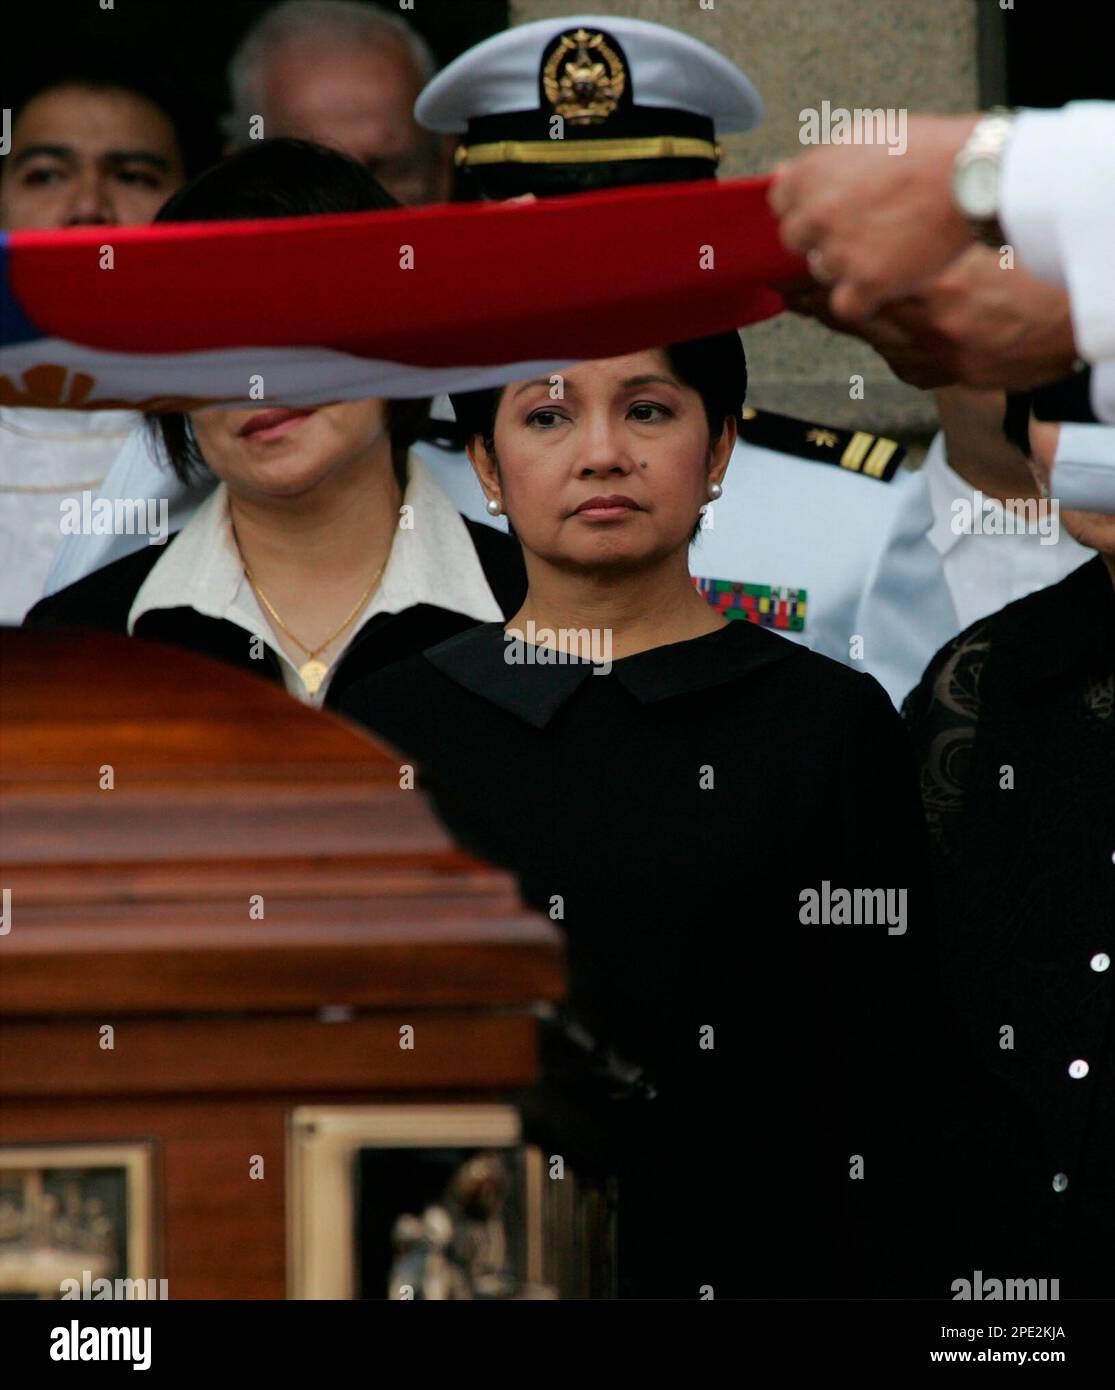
{"type": "Point", "coordinates": [75, 1214]}
{"type": "Point", "coordinates": [437, 1202]}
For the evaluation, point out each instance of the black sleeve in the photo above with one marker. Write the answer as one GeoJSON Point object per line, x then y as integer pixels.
{"type": "Point", "coordinates": [389, 703]}
{"type": "Point", "coordinates": [900, 1045]}
{"type": "Point", "coordinates": [101, 600]}
{"type": "Point", "coordinates": [978, 1119]}
{"type": "Point", "coordinates": [1069, 399]}
{"type": "Point", "coordinates": [882, 827]}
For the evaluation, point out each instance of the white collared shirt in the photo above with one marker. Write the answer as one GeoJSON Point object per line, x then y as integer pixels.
{"type": "Point", "coordinates": [432, 561]}
{"type": "Point", "coordinates": [985, 572]}
{"type": "Point", "coordinates": [1084, 467]}
{"type": "Point", "coordinates": [1056, 209]}
{"type": "Point", "coordinates": [48, 458]}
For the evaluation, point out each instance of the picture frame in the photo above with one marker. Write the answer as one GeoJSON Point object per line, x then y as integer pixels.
{"type": "Point", "coordinates": [73, 1214]}
{"type": "Point", "coordinates": [437, 1201]}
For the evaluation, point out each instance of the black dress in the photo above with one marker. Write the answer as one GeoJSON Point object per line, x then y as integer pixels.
{"type": "Point", "coordinates": [102, 601]}
{"type": "Point", "coordinates": [670, 814]}
{"type": "Point", "coordinates": [1014, 724]}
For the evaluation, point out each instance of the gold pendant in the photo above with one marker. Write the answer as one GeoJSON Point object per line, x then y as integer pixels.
{"type": "Point", "coordinates": [313, 673]}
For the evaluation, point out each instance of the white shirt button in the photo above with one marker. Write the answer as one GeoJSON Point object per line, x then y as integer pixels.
{"type": "Point", "coordinates": [1078, 1069]}
{"type": "Point", "coordinates": [1060, 1182]}
{"type": "Point", "coordinates": [1100, 962]}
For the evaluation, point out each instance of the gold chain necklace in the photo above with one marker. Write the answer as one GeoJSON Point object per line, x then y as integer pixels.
{"type": "Point", "coordinates": [312, 671]}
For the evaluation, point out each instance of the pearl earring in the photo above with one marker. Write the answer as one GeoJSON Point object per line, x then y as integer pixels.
{"type": "Point", "coordinates": [495, 506]}
{"type": "Point", "coordinates": [715, 491]}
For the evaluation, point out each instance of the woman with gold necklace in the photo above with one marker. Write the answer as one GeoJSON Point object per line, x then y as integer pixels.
{"type": "Point", "coordinates": [327, 551]}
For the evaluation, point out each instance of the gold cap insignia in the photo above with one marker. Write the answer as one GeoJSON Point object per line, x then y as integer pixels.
{"type": "Point", "coordinates": [584, 78]}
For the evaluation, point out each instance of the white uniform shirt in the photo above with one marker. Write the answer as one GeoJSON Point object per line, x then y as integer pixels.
{"type": "Point", "coordinates": [432, 561]}
{"type": "Point", "coordinates": [1084, 468]}
{"type": "Point", "coordinates": [1058, 211]}
{"type": "Point", "coordinates": [987, 568]}
{"type": "Point", "coordinates": [46, 457]}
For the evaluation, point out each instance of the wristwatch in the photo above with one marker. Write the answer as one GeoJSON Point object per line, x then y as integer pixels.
{"type": "Point", "coordinates": [977, 172]}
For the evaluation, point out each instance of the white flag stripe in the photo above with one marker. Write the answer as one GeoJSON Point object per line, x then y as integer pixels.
{"type": "Point", "coordinates": [288, 376]}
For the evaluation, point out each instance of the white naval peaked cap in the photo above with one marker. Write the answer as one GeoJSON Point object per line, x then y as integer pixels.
{"type": "Point", "coordinates": [665, 69]}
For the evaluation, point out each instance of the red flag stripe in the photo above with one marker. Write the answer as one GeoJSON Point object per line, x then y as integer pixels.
{"type": "Point", "coordinates": [594, 275]}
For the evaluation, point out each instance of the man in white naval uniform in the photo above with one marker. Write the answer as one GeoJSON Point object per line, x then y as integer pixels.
{"type": "Point", "coordinates": [810, 536]}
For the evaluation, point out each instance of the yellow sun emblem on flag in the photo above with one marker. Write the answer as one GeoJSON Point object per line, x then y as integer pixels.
{"type": "Point", "coordinates": [51, 387]}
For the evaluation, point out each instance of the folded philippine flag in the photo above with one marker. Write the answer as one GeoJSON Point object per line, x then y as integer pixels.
{"type": "Point", "coordinates": [412, 302]}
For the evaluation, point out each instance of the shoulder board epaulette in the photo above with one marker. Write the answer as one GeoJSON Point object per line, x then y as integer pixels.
{"type": "Point", "coordinates": [858, 452]}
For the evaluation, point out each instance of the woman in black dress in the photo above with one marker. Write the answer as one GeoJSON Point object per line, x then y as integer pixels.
{"type": "Point", "coordinates": [1014, 729]}
{"type": "Point", "coordinates": [686, 795]}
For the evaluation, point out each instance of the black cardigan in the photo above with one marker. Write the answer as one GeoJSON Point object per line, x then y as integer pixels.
{"type": "Point", "coordinates": [1014, 724]}
{"type": "Point", "coordinates": [102, 601]}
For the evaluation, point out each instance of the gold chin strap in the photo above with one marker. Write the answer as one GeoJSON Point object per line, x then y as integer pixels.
{"type": "Point", "coordinates": [587, 151]}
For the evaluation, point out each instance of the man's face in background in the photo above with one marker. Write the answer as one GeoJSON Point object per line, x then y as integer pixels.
{"type": "Point", "coordinates": [88, 156]}
{"type": "Point", "coordinates": [362, 103]}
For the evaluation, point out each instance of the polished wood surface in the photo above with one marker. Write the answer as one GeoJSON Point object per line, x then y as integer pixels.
{"type": "Point", "coordinates": [228, 799]}
{"type": "Point", "coordinates": [139, 907]}
{"type": "Point", "coordinates": [219, 1054]}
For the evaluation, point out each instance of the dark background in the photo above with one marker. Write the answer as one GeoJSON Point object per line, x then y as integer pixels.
{"type": "Point", "coordinates": [192, 41]}
{"type": "Point", "coordinates": [1057, 51]}
{"type": "Point", "coordinates": [1041, 53]}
